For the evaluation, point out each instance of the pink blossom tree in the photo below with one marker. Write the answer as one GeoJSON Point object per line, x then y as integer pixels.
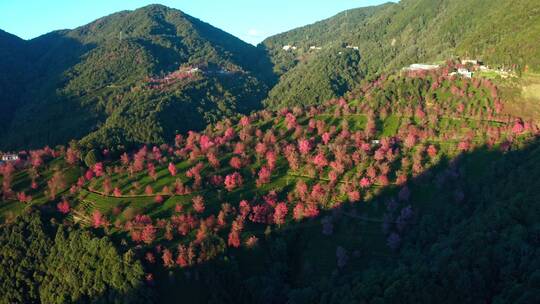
{"type": "Point", "coordinates": [304, 146]}
{"type": "Point", "coordinates": [233, 181]}
{"type": "Point", "coordinates": [172, 169]}
{"type": "Point", "coordinates": [198, 204]}
{"type": "Point", "coordinates": [280, 212]}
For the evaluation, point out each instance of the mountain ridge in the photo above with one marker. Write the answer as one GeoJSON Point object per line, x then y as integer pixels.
{"type": "Point", "coordinates": [91, 68]}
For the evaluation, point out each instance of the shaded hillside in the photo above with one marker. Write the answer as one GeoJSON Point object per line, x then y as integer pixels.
{"type": "Point", "coordinates": [13, 69]}
{"type": "Point", "coordinates": [81, 79]}
{"type": "Point", "coordinates": [392, 36]}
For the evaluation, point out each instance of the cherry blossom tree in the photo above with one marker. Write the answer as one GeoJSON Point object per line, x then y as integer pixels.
{"type": "Point", "coordinates": [63, 207]}
{"type": "Point", "coordinates": [56, 184]}
{"type": "Point", "coordinates": [148, 190]}
{"type": "Point", "coordinates": [148, 234]}
{"type": "Point", "coordinates": [117, 192]}
{"type": "Point", "coordinates": [320, 161]}
{"type": "Point", "coordinates": [72, 156]}
{"type": "Point", "coordinates": [304, 146]}
{"type": "Point", "coordinates": [518, 127]}
{"type": "Point", "coordinates": [167, 257]}
{"type": "Point", "coordinates": [152, 171]}
{"type": "Point", "coordinates": [233, 181]}
{"type": "Point", "coordinates": [365, 182]}
{"type": "Point", "coordinates": [172, 169]}
{"type": "Point", "coordinates": [280, 212]}
{"type": "Point", "coordinates": [24, 198]}
{"type": "Point", "coordinates": [271, 160]}
{"type": "Point", "coordinates": [159, 199]}
{"type": "Point", "coordinates": [234, 235]}
{"type": "Point", "coordinates": [251, 241]}
{"type": "Point", "coordinates": [235, 163]}
{"type": "Point", "coordinates": [326, 137]}
{"type": "Point", "coordinates": [198, 204]}
{"type": "Point", "coordinates": [264, 176]}
{"type": "Point", "coordinates": [97, 219]}
{"type": "Point", "coordinates": [98, 169]}
{"type": "Point", "coordinates": [432, 151]}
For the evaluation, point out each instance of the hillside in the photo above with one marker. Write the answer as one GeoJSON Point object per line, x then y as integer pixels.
{"type": "Point", "coordinates": [415, 188]}
{"type": "Point", "coordinates": [13, 67]}
{"type": "Point", "coordinates": [394, 35]}
{"type": "Point", "coordinates": [100, 75]}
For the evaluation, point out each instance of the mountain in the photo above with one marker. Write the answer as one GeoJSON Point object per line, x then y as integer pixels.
{"type": "Point", "coordinates": [394, 35]}
{"type": "Point", "coordinates": [133, 77]}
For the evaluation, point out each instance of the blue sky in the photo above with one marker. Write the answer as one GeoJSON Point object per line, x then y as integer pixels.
{"type": "Point", "coordinates": [251, 20]}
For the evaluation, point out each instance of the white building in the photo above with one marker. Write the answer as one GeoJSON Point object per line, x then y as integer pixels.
{"type": "Point", "coordinates": [465, 73]}
{"type": "Point", "coordinates": [353, 47]}
{"type": "Point", "coordinates": [289, 47]}
{"type": "Point", "coordinates": [313, 47]}
{"type": "Point", "coordinates": [10, 157]}
{"type": "Point", "coordinates": [421, 67]}
{"type": "Point", "coordinates": [469, 61]}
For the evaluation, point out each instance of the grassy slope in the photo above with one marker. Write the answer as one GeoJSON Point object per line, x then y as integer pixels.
{"type": "Point", "coordinates": [357, 227]}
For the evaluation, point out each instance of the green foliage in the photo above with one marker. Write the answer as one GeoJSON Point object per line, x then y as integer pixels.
{"type": "Point", "coordinates": [394, 35]}
{"type": "Point", "coordinates": [73, 267]}
{"type": "Point", "coordinates": [24, 246]}
{"type": "Point", "coordinates": [85, 268]}
{"type": "Point", "coordinates": [91, 158]}
{"type": "Point", "coordinates": [321, 78]}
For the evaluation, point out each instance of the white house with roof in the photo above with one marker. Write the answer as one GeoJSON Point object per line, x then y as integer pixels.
{"type": "Point", "coordinates": [289, 47]}
{"type": "Point", "coordinates": [9, 157]}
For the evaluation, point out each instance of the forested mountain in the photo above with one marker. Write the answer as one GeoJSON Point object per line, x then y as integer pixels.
{"type": "Point", "coordinates": [133, 77]}
{"type": "Point", "coordinates": [394, 35]}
